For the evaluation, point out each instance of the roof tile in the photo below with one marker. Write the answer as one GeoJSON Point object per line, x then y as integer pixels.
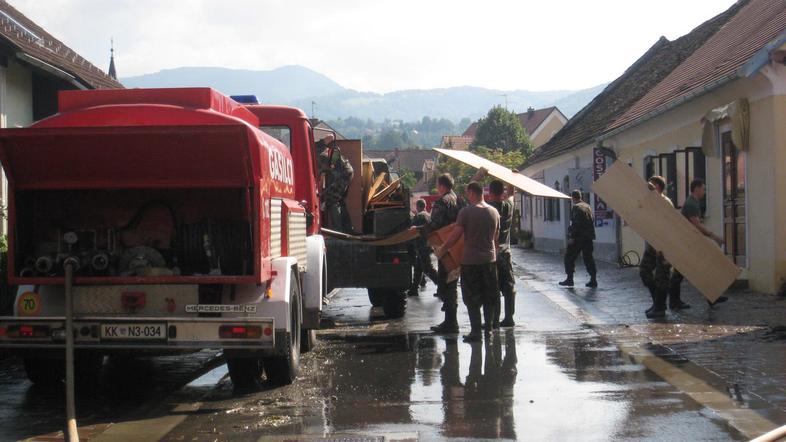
{"type": "Point", "coordinates": [33, 40]}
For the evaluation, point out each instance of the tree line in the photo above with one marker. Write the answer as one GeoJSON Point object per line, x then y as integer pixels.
{"type": "Point", "coordinates": [391, 134]}
{"type": "Point", "coordinates": [499, 138]}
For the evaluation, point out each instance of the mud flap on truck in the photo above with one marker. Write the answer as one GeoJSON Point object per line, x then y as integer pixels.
{"type": "Point", "coordinates": [314, 282]}
{"type": "Point", "coordinates": [285, 302]}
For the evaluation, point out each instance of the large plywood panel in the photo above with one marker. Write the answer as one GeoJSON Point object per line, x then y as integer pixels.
{"type": "Point", "coordinates": [515, 179]}
{"type": "Point", "coordinates": [697, 257]}
{"type": "Point", "coordinates": [353, 151]}
{"type": "Point", "coordinates": [452, 258]}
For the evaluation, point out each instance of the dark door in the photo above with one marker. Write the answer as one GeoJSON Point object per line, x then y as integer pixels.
{"type": "Point", "coordinates": [734, 187]}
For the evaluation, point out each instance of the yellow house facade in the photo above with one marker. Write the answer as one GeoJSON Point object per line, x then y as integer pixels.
{"type": "Point", "coordinates": [746, 185]}
{"type": "Point", "coordinates": [710, 105]}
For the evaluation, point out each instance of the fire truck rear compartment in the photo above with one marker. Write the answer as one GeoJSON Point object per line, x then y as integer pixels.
{"type": "Point", "coordinates": [134, 232]}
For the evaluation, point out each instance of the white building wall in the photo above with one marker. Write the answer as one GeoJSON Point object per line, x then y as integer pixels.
{"type": "Point", "coordinates": [551, 235]}
{"type": "Point", "coordinates": [16, 110]}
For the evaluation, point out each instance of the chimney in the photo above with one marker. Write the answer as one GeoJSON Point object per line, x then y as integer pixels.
{"type": "Point", "coordinates": [530, 112]}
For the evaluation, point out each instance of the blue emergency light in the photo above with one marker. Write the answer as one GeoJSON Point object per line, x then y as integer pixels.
{"type": "Point", "coordinates": [245, 99]}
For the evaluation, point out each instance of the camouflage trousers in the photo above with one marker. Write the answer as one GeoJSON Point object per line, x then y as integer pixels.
{"type": "Point", "coordinates": [479, 284]}
{"type": "Point", "coordinates": [505, 273]}
{"type": "Point", "coordinates": [423, 267]}
{"type": "Point", "coordinates": [655, 272]}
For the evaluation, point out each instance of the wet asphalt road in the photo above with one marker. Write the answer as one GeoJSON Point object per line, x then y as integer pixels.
{"type": "Point", "coordinates": [550, 378]}
{"type": "Point", "coordinates": [547, 379]}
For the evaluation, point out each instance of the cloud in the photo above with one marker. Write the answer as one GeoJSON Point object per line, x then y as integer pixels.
{"type": "Point", "coordinates": [379, 45]}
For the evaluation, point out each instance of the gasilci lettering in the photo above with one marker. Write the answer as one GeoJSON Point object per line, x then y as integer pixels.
{"type": "Point", "coordinates": [281, 168]}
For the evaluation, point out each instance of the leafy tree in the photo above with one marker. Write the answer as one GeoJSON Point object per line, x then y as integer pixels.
{"type": "Point", "coordinates": [501, 129]}
{"type": "Point", "coordinates": [408, 178]}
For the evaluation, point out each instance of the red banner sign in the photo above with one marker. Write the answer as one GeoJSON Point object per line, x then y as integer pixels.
{"type": "Point", "coordinates": [602, 211]}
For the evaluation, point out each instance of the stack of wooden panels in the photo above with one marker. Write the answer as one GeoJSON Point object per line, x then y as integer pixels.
{"type": "Point", "coordinates": [381, 193]}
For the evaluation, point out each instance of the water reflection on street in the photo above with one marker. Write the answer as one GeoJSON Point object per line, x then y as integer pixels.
{"type": "Point", "coordinates": [550, 379]}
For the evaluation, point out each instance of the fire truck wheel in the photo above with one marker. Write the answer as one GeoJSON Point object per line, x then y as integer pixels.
{"type": "Point", "coordinates": [282, 369]}
{"type": "Point", "coordinates": [395, 304]}
{"type": "Point", "coordinates": [45, 372]}
{"type": "Point", "coordinates": [377, 297]}
{"type": "Point", "coordinates": [246, 373]}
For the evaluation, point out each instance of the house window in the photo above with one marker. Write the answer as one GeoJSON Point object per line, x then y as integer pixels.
{"type": "Point", "coordinates": [649, 167]}
{"type": "Point", "coordinates": [678, 168]}
{"type": "Point", "coordinates": [553, 206]}
{"type": "Point", "coordinates": [734, 189]}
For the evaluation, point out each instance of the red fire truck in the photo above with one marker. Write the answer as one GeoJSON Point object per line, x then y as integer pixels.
{"type": "Point", "coordinates": [185, 226]}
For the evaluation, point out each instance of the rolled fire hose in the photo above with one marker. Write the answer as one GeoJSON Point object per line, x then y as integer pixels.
{"type": "Point", "coordinates": [72, 434]}
{"type": "Point", "coordinates": [772, 436]}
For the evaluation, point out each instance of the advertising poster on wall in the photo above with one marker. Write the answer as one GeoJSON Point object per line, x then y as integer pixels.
{"type": "Point", "coordinates": [601, 211]}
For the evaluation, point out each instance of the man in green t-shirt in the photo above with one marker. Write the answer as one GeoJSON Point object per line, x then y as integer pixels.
{"type": "Point", "coordinates": [691, 210]}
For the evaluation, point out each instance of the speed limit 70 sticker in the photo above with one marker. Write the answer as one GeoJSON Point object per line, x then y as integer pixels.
{"type": "Point", "coordinates": [29, 304]}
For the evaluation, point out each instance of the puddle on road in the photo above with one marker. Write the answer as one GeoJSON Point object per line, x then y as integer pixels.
{"type": "Point", "coordinates": [517, 386]}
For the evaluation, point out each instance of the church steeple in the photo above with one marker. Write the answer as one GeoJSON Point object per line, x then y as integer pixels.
{"type": "Point", "coordinates": [112, 71]}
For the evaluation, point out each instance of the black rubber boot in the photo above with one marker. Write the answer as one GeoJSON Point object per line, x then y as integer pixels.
{"type": "Point", "coordinates": [510, 308]}
{"type": "Point", "coordinates": [675, 301]}
{"type": "Point", "coordinates": [475, 333]}
{"type": "Point", "coordinates": [497, 311]}
{"type": "Point", "coordinates": [489, 313]}
{"type": "Point", "coordinates": [593, 283]}
{"type": "Point", "coordinates": [449, 325]}
{"type": "Point", "coordinates": [568, 282]}
{"type": "Point", "coordinates": [658, 309]}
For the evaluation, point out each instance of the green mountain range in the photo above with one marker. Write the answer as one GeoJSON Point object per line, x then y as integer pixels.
{"type": "Point", "coordinates": [299, 86]}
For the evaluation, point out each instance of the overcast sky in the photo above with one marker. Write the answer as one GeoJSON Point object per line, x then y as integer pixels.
{"type": "Point", "coordinates": [378, 45]}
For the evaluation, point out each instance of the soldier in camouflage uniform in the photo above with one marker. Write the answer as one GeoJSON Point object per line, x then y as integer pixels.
{"type": "Point", "coordinates": [654, 270]}
{"type": "Point", "coordinates": [444, 212]}
{"type": "Point", "coordinates": [338, 174]}
{"type": "Point", "coordinates": [504, 264]}
{"type": "Point", "coordinates": [581, 234]}
{"type": "Point", "coordinates": [423, 264]}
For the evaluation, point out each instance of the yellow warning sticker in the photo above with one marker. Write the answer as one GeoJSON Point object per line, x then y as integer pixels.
{"type": "Point", "coordinates": [29, 304]}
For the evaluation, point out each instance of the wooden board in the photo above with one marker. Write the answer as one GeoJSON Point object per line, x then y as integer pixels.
{"type": "Point", "coordinates": [352, 150]}
{"type": "Point", "coordinates": [383, 194]}
{"type": "Point", "coordinates": [375, 187]}
{"type": "Point", "coordinates": [515, 179]}
{"type": "Point", "coordinates": [397, 238]}
{"type": "Point", "coordinates": [452, 258]}
{"type": "Point", "coordinates": [697, 257]}
{"type": "Point", "coordinates": [368, 179]}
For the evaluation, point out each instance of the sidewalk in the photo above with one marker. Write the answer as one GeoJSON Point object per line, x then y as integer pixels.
{"type": "Point", "coordinates": [738, 348]}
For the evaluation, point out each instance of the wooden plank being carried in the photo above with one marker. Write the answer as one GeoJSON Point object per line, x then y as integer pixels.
{"type": "Point", "coordinates": [695, 256]}
{"type": "Point", "coordinates": [452, 258]}
{"type": "Point", "coordinates": [515, 179]}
